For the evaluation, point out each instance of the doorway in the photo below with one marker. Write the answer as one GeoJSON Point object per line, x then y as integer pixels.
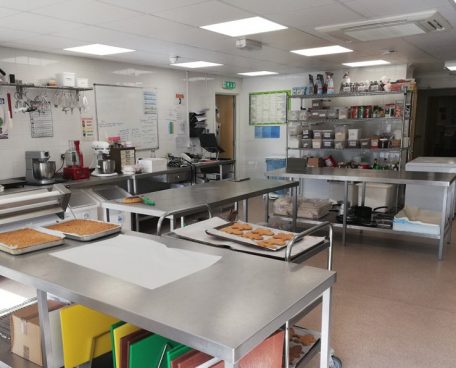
{"type": "Point", "coordinates": [441, 126]}
{"type": "Point", "coordinates": [225, 118]}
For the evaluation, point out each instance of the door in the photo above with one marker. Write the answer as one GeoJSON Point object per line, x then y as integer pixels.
{"type": "Point", "coordinates": [225, 121]}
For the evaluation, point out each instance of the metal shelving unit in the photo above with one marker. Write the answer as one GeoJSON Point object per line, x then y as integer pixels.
{"type": "Point", "coordinates": [405, 122]}
{"type": "Point", "coordinates": [32, 86]}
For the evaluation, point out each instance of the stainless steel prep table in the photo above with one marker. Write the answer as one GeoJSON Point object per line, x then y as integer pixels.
{"type": "Point", "coordinates": [446, 181]}
{"type": "Point", "coordinates": [225, 310]}
{"type": "Point", "coordinates": [213, 194]}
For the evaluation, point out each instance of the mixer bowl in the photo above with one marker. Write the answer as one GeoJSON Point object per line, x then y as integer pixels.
{"type": "Point", "coordinates": [44, 170]}
{"type": "Point", "coordinates": [106, 166]}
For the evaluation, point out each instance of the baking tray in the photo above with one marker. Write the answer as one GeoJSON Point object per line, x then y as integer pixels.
{"type": "Point", "coordinates": [306, 349]}
{"type": "Point", "coordinates": [216, 231]}
{"type": "Point", "coordinates": [34, 248]}
{"type": "Point", "coordinates": [90, 237]}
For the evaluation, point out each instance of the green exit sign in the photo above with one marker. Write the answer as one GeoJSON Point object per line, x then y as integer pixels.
{"type": "Point", "coordinates": [229, 85]}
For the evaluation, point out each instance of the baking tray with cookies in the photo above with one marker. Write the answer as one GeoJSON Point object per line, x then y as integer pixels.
{"type": "Point", "coordinates": [252, 235]}
{"type": "Point", "coordinates": [26, 240]}
{"type": "Point", "coordinates": [84, 229]}
{"type": "Point", "coordinates": [302, 342]}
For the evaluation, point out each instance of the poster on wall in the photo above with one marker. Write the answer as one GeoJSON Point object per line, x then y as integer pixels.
{"type": "Point", "coordinates": [268, 108]}
{"type": "Point", "coordinates": [42, 123]}
{"type": "Point", "coordinates": [88, 128]}
{"type": "Point", "coordinates": [267, 132]}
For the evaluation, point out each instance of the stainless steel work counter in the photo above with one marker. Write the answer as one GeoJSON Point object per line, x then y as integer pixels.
{"type": "Point", "coordinates": [225, 310]}
{"type": "Point", "coordinates": [368, 176]}
{"type": "Point", "coordinates": [426, 179]}
{"type": "Point", "coordinates": [213, 194]}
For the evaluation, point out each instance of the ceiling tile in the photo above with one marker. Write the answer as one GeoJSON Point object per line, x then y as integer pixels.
{"type": "Point", "coordinates": [7, 34]}
{"type": "Point", "coordinates": [86, 12]}
{"type": "Point", "coordinates": [28, 4]}
{"type": "Point", "coordinates": [150, 7]}
{"type": "Point", "coordinates": [36, 23]}
{"type": "Point", "coordinates": [377, 9]}
{"type": "Point", "coordinates": [324, 15]}
{"type": "Point", "coordinates": [204, 13]}
{"type": "Point", "coordinates": [272, 7]}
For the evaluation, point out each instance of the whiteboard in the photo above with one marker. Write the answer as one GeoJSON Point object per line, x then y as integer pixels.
{"type": "Point", "coordinates": [129, 112]}
{"type": "Point", "coordinates": [268, 107]}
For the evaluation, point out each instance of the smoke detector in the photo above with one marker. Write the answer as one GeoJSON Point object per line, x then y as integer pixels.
{"type": "Point", "coordinates": [246, 44]}
{"type": "Point", "coordinates": [389, 27]}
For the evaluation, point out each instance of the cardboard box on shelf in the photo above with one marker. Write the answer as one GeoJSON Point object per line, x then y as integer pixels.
{"type": "Point", "coordinates": [315, 162]}
{"type": "Point", "coordinates": [26, 333]}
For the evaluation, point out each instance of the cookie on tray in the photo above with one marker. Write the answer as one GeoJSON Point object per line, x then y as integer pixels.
{"type": "Point", "coordinates": [284, 236]}
{"type": "Point", "coordinates": [230, 230]}
{"type": "Point", "coordinates": [263, 232]}
{"type": "Point", "coordinates": [241, 226]}
{"type": "Point", "coordinates": [266, 244]}
{"type": "Point", "coordinates": [252, 236]}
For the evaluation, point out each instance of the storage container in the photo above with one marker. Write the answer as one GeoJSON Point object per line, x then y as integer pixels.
{"type": "Point", "coordinates": [294, 142]}
{"type": "Point", "coordinates": [293, 115]}
{"type": "Point", "coordinates": [374, 142]}
{"type": "Point", "coordinates": [315, 162]}
{"type": "Point", "coordinates": [377, 195]}
{"type": "Point", "coordinates": [294, 129]}
{"type": "Point", "coordinates": [340, 133]}
{"type": "Point", "coordinates": [328, 143]}
{"type": "Point", "coordinates": [153, 164]}
{"type": "Point", "coordinates": [343, 113]}
{"type": "Point", "coordinates": [303, 115]}
{"type": "Point", "coordinates": [318, 133]}
{"type": "Point", "coordinates": [316, 143]}
{"type": "Point", "coordinates": [340, 144]}
{"type": "Point", "coordinates": [364, 142]}
{"type": "Point", "coordinates": [82, 82]}
{"type": "Point", "coordinates": [353, 134]}
{"type": "Point", "coordinates": [306, 143]}
{"type": "Point", "coordinates": [307, 134]}
{"type": "Point", "coordinates": [328, 134]}
{"type": "Point", "coordinates": [66, 79]}
{"type": "Point", "coordinates": [332, 114]}
{"type": "Point", "coordinates": [353, 143]}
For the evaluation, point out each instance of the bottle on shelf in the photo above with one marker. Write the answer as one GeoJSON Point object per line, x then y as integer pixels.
{"type": "Point", "coordinates": [375, 165]}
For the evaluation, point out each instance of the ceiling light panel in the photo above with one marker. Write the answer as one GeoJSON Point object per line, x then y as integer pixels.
{"type": "Point", "coordinates": [244, 27]}
{"type": "Point", "coordinates": [99, 49]}
{"type": "Point", "coordinates": [367, 63]}
{"type": "Point", "coordinates": [318, 51]}
{"type": "Point", "coordinates": [196, 64]}
{"type": "Point", "coordinates": [258, 74]}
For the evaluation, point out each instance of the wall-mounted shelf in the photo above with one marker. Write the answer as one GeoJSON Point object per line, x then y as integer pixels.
{"type": "Point", "coordinates": [350, 149]}
{"type": "Point", "coordinates": [352, 94]}
{"type": "Point", "coordinates": [29, 86]}
{"type": "Point", "coordinates": [345, 121]}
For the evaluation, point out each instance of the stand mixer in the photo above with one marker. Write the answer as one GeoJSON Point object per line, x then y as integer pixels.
{"type": "Point", "coordinates": [104, 166]}
{"type": "Point", "coordinates": [38, 169]}
{"type": "Point", "coordinates": [74, 163]}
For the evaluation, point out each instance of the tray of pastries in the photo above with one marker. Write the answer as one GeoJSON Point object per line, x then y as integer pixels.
{"type": "Point", "coordinates": [302, 340]}
{"type": "Point", "coordinates": [27, 240]}
{"type": "Point", "coordinates": [85, 230]}
{"type": "Point", "coordinates": [252, 235]}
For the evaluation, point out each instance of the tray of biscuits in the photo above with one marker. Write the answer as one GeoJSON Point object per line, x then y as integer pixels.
{"type": "Point", "coordinates": [252, 235]}
{"type": "Point", "coordinates": [28, 240]}
{"type": "Point", "coordinates": [85, 230]}
{"type": "Point", "coordinates": [302, 341]}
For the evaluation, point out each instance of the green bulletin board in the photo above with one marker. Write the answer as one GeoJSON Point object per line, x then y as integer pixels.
{"type": "Point", "coordinates": [268, 108]}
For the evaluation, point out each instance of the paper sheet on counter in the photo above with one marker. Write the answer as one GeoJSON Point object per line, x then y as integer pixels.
{"type": "Point", "coordinates": [197, 232]}
{"type": "Point", "coordinates": [137, 260]}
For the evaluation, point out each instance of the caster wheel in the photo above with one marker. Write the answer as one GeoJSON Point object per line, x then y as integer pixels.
{"type": "Point", "coordinates": [335, 362]}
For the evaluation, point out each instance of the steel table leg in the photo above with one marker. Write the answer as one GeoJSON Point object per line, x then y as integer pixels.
{"type": "Point", "coordinates": [344, 227]}
{"type": "Point", "coordinates": [221, 171]}
{"type": "Point", "coordinates": [182, 221]}
{"type": "Point", "coordinates": [171, 223]}
{"type": "Point", "coordinates": [295, 208]}
{"type": "Point", "coordinates": [443, 223]}
{"type": "Point", "coordinates": [136, 222]}
{"type": "Point", "coordinates": [325, 324]}
{"type": "Point", "coordinates": [43, 314]}
{"type": "Point", "coordinates": [266, 208]}
{"type": "Point", "coordinates": [287, 344]}
{"type": "Point", "coordinates": [245, 209]}
{"type": "Point", "coordinates": [363, 194]}
{"type": "Point", "coordinates": [107, 214]}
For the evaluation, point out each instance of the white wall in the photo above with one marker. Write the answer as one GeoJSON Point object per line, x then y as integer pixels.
{"type": "Point", "coordinates": [252, 152]}
{"type": "Point", "coordinates": [31, 67]}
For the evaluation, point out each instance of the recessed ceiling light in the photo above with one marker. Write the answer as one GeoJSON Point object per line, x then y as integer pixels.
{"type": "Point", "coordinates": [196, 64]}
{"type": "Point", "coordinates": [327, 50]}
{"type": "Point", "coordinates": [259, 73]}
{"type": "Point", "coordinates": [244, 27]}
{"type": "Point", "coordinates": [450, 65]}
{"type": "Point", "coordinates": [99, 49]}
{"type": "Point", "coordinates": [367, 63]}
